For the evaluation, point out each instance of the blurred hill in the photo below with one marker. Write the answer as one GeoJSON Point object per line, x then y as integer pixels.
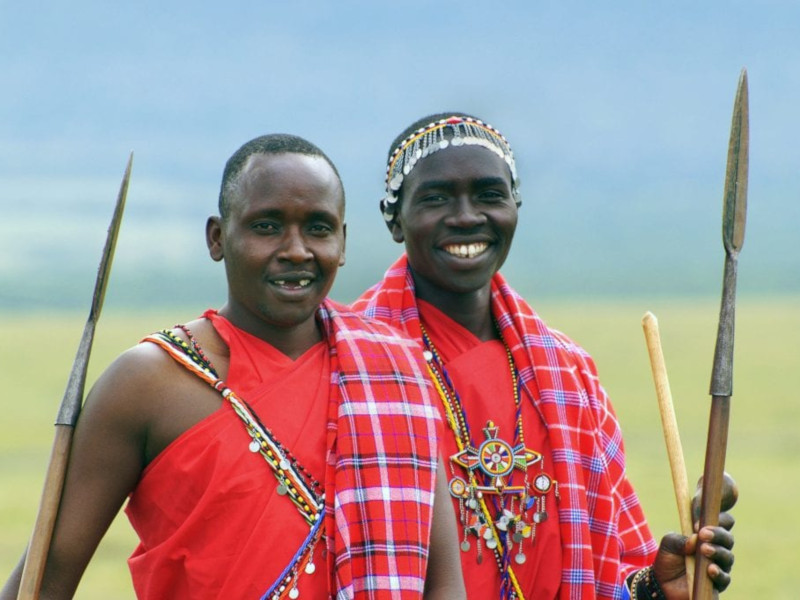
{"type": "Point", "coordinates": [577, 237]}
{"type": "Point", "coordinates": [618, 114]}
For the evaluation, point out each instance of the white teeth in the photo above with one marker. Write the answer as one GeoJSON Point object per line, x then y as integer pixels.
{"type": "Point", "coordinates": [302, 283]}
{"type": "Point", "coordinates": [466, 250]}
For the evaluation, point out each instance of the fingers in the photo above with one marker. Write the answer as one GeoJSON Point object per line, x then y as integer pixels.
{"type": "Point", "coordinates": [726, 520]}
{"type": "Point", "coordinates": [716, 536]}
{"type": "Point", "coordinates": [730, 494]}
{"type": "Point", "coordinates": [674, 543]}
{"type": "Point", "coordinates": [720, 578]}
{"type": "Point", "coordinates": [670, 564]}
{"type": "Point", "coordinates": [716, 544]}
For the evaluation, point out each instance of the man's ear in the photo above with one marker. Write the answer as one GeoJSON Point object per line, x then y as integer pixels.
{"type": "Point", "coordinates": [344, 244]}
{"type": "Point", "coordinates": [397, 230]}
{"type": "Point", "coordinates": [214, 237]}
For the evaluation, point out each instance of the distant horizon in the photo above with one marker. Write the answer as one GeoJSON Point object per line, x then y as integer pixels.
{"type": "Point", "coordinates": [618, 115]}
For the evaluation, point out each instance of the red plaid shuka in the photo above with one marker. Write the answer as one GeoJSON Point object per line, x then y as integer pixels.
{"type": "Point", "coordinates": [604, 533]}
{"type": "Point", "coordinates": [382, 440]}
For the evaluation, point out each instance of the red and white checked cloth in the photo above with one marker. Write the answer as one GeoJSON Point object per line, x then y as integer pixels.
{"type": "Point", "coordinates": [604, 534]}
{"type": "Point", "coordinates": [383, 429]}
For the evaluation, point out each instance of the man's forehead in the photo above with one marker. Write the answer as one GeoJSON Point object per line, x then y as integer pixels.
{"type": "Point", "coordinates": [307, 176]}
{"type": "Point", "coordinates": [465, 162]}
{"type": "Point", "coordinates": [287, 168]}
{"type": "Point", "coordinates": [275, 161]}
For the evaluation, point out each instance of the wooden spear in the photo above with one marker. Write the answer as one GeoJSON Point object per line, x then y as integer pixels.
{"type": "Point", "coordinates": [39, 546]}
{"type": "Point", "coordinates": [734, 212]}
{"type": "Point", "coordinates": [672, 437]}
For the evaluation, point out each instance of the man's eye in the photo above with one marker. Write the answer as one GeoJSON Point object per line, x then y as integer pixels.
{"type": "Point", "coordinates": [492, 196]}
{"type": "Point", "coordinates": [265, 227]}
{"type": "Point", "coordinates": [433, 199]}
{"type": "Point", "coordinates": [320, 229]}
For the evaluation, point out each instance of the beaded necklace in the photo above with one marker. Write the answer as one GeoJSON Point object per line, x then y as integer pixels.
{"type": "Point", "coordinates": [294, 480]}
{"type": "Point", "coordinates": [513, 511]}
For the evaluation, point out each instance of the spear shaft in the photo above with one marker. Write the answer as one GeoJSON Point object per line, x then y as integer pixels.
{"type": "Point", "coordinates": [68, 412]}
{"type": "Point", "coordinates": [734, 212]}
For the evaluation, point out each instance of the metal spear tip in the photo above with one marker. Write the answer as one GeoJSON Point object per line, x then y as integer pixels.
{"type": "Point", "coordinates": [111, 243]}
{"type": "Point", "coordinates": [734, 207]}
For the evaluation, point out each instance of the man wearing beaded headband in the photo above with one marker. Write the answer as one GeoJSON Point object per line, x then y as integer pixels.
{"type": "Point", "coordinates": [537, 469]}
{"type": "Point", "coordinates": [280, 447]}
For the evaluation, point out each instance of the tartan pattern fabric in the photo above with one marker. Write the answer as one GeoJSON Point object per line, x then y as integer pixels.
{"type": "Point", "coordinates": [604, 533]}
{"type": "Point", "coordinates": [382, 440]}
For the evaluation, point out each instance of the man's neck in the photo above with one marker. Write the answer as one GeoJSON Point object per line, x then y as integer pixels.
{"type": "Point", "coordinates": [293, 341]}
{"type": "Point", "coordinates": [471, 310]}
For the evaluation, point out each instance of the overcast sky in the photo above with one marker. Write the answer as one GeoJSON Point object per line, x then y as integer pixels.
{"type": "Point", "coordinates": [619, 114]}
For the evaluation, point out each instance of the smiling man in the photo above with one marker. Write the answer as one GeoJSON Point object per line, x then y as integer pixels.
{"type": "Point", "coordinates": [535, 453]}
{"type": "Point", "coordinates": [278, 447]}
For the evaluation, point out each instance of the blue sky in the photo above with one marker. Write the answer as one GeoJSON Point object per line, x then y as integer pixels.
{"type": "Point", "coordinates": [619, 116]}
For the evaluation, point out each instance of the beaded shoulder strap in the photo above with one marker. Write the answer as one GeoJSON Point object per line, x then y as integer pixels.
{"type": "Point", "coordinates": [294, 480]}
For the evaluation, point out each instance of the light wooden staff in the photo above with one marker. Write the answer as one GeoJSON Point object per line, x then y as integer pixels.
{"type": "Point", "coordinates": [39, 546]}
{"type": "Point", "coordinates": [672, 437]}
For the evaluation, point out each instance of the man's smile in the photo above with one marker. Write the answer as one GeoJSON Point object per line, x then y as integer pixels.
{"type": "Point", "coordinates": [466, 250]}
{"type": "Point", "coordinates": [292, 282]}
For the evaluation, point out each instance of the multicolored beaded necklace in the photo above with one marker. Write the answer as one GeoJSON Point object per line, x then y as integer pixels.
{"type": "Point", "coordinates": [294, 481]}
{"type": "Point", "coordinates": [497, 511]}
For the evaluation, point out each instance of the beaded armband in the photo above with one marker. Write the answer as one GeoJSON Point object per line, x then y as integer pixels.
{"type": "Point", "coordinates": [644, 586]}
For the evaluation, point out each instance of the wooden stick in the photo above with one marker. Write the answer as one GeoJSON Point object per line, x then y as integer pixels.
{"type": "Point", "coordinates": [672, 438]}
{"type": "Point", "coordinates": [39, 546]}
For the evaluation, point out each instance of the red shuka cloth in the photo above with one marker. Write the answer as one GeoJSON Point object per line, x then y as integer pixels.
{"type": "Point", "coordinates": [207, 514]}
{"type": "Point", "coordinates": [481, 376]}
{"type": "Point", "coordinates": [604, 535]}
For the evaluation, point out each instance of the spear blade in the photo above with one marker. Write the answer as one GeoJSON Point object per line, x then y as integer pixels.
{"type": "Point", "coordinates": [73, 396]}
{"type": "Point", "coordinates": [734, 213]}
{"type": "Point", "coordinates": [38, 548]}
{"type": "Point", "coordinates": [733, 221]}
{"type": "Point", "coordinates": [734, 208]}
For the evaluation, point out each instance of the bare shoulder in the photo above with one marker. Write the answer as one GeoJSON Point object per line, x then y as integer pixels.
{"type": "Point", "coordinates": [124, 391]}
{"type": "Point", "coordinates": [146, 372]}
{"type": "Point", "coordinates": [147, 394]}
{"type": "Point", "coordinates": [141, 367]}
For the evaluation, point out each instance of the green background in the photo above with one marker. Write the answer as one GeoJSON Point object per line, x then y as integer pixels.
{"type": "Point", "coordinates": [39, 349]}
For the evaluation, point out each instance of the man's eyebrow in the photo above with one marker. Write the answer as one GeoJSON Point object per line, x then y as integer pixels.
{"type": "Point", "coordinates": [448, 184]}
{"type": "Point", "coordinates": [490, 181]}
{"type": "Point", "coordinates": [322, 215]}
{"type": "Point", "coordinates": [436, 184]}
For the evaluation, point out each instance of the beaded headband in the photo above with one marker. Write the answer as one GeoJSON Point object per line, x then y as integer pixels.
{"type": "Point", "coordinates": [464, 131]}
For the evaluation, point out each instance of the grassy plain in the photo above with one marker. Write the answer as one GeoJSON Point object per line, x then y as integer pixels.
{"type": "Point", "coordinates": [38, 350]}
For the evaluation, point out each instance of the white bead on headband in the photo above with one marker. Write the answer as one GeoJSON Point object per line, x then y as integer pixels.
{"type": "Point", "coordinates": [432, 138]}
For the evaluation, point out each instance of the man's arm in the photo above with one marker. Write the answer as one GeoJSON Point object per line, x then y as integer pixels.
{"type": "Point", "coordinates": [105, 463]}
{"type": "Point", "coordinates": [444, 579]}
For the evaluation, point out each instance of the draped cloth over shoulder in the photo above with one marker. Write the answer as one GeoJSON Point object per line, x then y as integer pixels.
{"type": "Point", "coordinates": [383, 454]}
{"type": "Point", "coordinates": [603, 531]}
{"type": "Point", "coordinates": [379, 456]}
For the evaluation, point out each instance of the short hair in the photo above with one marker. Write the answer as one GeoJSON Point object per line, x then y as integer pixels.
{"type": "Point", "coordinates": [273, 143]}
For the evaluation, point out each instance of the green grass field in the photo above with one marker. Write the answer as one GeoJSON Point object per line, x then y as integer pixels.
{"type": "Point", "coordinates": [762, 455]}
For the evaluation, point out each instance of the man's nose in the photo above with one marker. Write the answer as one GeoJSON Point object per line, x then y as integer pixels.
{"type": "Point", "coordinates": [465, 213]}
{"type": "Point", "coordinates": [294, 247]}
